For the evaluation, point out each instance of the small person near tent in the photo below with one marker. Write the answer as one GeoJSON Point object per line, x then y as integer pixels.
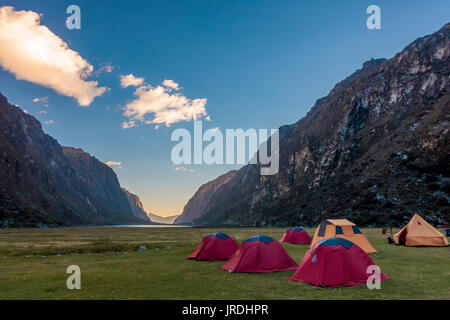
{"type": "Point", "coordinates": [388, 233]}
{"type": "Point", "coordinates": [418, 232]}
{"type": "Point", "coordinates": [335, 262]}
{"type": "Point", "coordinates": [216, 246]}
{"type": "Point", "coordinates": [296, 235]}
{"type": "Point", "coordinates": [342, 228]}
{"type": "Point", "coordinates": [260, 254]}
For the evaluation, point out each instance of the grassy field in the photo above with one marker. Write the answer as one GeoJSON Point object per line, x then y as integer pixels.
{"type": "Point", "coordinates": [33, 265]}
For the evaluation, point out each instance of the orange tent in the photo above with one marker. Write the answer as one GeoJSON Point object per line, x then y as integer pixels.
{"type": "Point", "coordinates": [342, 228]}
{"type": "Point", "coordinates": [418, 232]}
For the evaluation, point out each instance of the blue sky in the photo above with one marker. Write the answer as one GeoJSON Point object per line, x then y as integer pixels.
{"type": "Point", "coordinates": [259, 64]}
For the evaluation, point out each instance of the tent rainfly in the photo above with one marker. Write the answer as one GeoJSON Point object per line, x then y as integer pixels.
{"type": "Point", "coordinates": [418, 232]}
{"type": "Point", "coordinates": [342, 228]}
{"type": "Point", "coordinates": [296, 235]}
{"type": "Point", "coordinates": [216, 246]}
{"type": "Point", "coordinates": [260, 254]}
{"type": "Point", "coordinates": [335, 262]}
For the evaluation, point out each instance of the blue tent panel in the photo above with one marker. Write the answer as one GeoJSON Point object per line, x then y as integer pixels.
{"type": "Point", "coordinates": [356, 230]}
{"type": "Point", "coordinates": [261, 238]}
{"type": "Point", "coordinates": [219, 235]}
{"type": "Point", "coordinates": [336, 242]}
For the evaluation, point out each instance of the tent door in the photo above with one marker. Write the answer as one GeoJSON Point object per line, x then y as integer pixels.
{"type": "Point", "coordinates": [402, 237]}
{"type": "Point", "coordinates": [334, 269]}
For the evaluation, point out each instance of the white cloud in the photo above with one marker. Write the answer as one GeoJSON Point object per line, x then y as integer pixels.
{"type": "Point", "coordinates": [114, 164]}
{"type": "Point", "coordinates": [43, 99]}
{"type": "Point", "coordinates": [104, 67]}
{"type": "Point", "coordinates": [130, 80]}
{"type": "Point", "coordinates": [43, 112]}
{"type": "Point", "coordinates": [183, 169]}
{"type": "Point", "coordinates": [157, 105]}
{"type": "Point", "coordinates": [49, 122]}
{"type": "Point", "coordinates": [108, 68]}
{"type": "Point", "coordinates": [171, 85]}
{"type": "Point", "coordinates": [129, 124]}
{"type": "Point", "coordinates": [33, 53]}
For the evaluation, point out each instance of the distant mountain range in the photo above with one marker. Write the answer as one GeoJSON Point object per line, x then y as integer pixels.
{"type": "Point", "coordinates": [375, 150]}
{"type": "Point", "coordinates": [43, 184]}
{"type": "Point", "coordinates": [163, 220]}
{"type": "Point", "coordinates": [138, 210]}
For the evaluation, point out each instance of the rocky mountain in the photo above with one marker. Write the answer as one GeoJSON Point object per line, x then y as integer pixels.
{"type": "Point", "coordinates": [44, 184]}
{"type": "Point", "coordinates": [136, 205]}
{"type": "Point", "coordinates": [138, 210]}
{"type": "Point", "coordinates": [375, 150]}
{"type": "Point", "coordinates": [163, 220]}
{"type": "Point", "coordinates": [200, 203]}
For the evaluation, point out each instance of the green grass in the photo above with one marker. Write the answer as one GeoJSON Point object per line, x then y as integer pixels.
{"type": "Point", "coordinates": [162, 272]}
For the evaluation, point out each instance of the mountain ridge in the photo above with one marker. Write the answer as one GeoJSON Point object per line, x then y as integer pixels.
{"type": "Point", "coordinates": [373, 150]}
{"type": "Point", "coordinates": [136, 205]}
{"type": "Point", "coordinates": [200, 202]}
{"type": "Point", "coordinates": [43, 184]}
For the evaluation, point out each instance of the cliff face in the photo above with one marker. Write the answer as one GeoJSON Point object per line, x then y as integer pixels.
{"type": "Point", "coordinates": [136, 205]}
{"type": "Point", "coordinates": [375, 150]}
{"type": "Point", "coordinates": [105, 194]}
{"type": "Point", "coordinates": [200, 203]}
{"type": "Point", "coordinates": [44, 184]}
{"type": "Point", "coordinates": [139, 212]}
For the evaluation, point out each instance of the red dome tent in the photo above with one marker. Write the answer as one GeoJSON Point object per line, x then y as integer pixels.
{"type": "Point", "coordinates": [260, 254]}
{"type": "Point", "coordinates": [217, 246]}
{"type": "Point", "coordinates": [335, 262]}
{"type": "Point", "coordinates": [296, 235]}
